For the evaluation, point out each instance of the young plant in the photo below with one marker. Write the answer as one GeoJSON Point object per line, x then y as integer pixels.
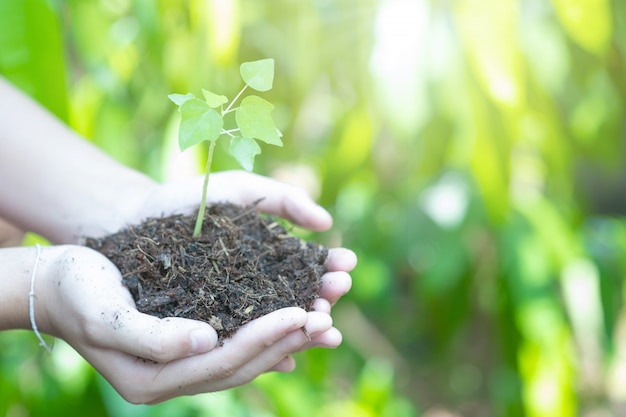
{"type": "Point", "coordinates": [203, 120]}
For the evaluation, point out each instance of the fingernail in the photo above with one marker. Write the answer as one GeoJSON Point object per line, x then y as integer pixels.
{"type": "Point", "coordinates": [201, 341]}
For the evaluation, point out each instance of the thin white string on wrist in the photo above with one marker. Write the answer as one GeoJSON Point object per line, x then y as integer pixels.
{"type": "Point", "coordinates": [31, 302]}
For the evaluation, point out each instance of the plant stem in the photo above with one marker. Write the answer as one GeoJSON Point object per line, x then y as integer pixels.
{"type": "Point", "coordinates": [200, 218]}
{"type": "Point", "coordinates": [230, 132]}
{"type": "Point", "coordinates": [234, 100]}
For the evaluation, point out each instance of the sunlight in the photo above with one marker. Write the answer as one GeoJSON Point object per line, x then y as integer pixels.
{"type": "Point", "coordinates": [399, 59]}
{"type": "Point", "coordinates": [490, 40]}
{"type": "Point", "coordinates": [446, 202]}
{"type": "Point", "coordinates": [224, 28]}
{"type": "Point", "coordinates": [220, 22]}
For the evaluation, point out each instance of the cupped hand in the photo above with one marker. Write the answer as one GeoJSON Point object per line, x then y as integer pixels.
{"type": "Point", "coordinates": [147, 359]}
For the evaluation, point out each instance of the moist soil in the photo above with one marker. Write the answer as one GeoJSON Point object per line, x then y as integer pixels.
{"type": "Point", "coordinates": [242, 266]}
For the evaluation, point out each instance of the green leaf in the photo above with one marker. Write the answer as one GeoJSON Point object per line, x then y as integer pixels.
{"type": "Point", "coordinates": [179, 99]}
{"type": "Point", "coordinates": [258, 75]}
{"type": "Point", "coordinates": [255, 121]}
{"type": "Point", "coordinates": [31, 52]}
{"type": "Point", "coordinates": [588, 22]}
{"type": "Point", "coordinates": [199, 123]}
{"type": "Point", "coordinates": [214, 100]}
{"type": "Point", "coordinates": [244, 150]}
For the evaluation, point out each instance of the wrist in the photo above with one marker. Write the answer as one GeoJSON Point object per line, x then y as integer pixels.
{"type": "Point", "coordinates": [42, 296]}
{"type": "Point", "coordinates": [17, 269]}
{"type": "Point", "coordinates": [31, 301]}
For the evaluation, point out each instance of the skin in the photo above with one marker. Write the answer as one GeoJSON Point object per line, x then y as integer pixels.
{"type": "Point", "coordinates": [56, 184]}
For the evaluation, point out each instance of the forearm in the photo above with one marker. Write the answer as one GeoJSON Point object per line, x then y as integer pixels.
{"type": "Point", "coordinates": [54, 182]}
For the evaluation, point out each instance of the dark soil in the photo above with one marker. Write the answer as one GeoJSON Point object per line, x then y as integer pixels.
{"type": "Point", "coordinates": [242, 266]}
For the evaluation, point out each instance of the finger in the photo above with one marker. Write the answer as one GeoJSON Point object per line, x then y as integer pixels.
{"type": "Point", "coordinates": [221, 368]}
{"type": "Point", "coordinates": [329, 339]}
{"type": "Point", "coordinates": [255, 348]}
{"type": "Point", "coordinates": [278, 198]}
{"type": "Point", "coordinates": [244, 188]}
{"type": "Point", "coordinates": [287, 364]}
{"type": "Point", "coordinates": [295, 205]}
{"type": "Point", "coordinates": [321, 305]}
{"type": "Point", "coordinates": [149, 337]}
{"type": "Point", "coordinates": [271, 358]}
{"type": "Point", "coordinates": [335, 285]}
{"type": "Point", "coordinates": [340, 259]}
{"type": "Point", "coordinates": [318, 323]}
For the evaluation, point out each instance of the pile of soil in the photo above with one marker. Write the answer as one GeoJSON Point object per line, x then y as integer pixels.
{"type": "Point", "coordinates": [243, 265]}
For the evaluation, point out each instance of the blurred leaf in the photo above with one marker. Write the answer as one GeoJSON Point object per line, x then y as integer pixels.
{"type": "Point", "coordinates": [259, 75]}
{"type": "Point", "coordinates": [290, 395]}
{"type": "Point", "coordinates": [214, 100]}
{"type": "Point", "coordinates": [489, 32]}
{"type": "Point", "coordinates": [354, 145]}
{"type": "Point", "coordinates": [587, 22]}
{"type": "Point", "coordinates": [255, 121]}
{"type": "Point", "coordinates": [488, 159]}
{"type": "Point", "coordinates": [375, 277]}
{"type": "Point", "coordinates": [31, 53]}
{"type": "Point", "coordinates": [180, 99]}
{"type": "Point", "coordinates": [375, 384]}
{"type": "Point", "coordinates": [244, 150]}
{"type": "Point", "coordinates": [544, 361]}
{"type": "Point", "coordinates": [198, 123]}
{"type": "Point", "coordinates": [443, 277]}
{"type": "Point", "coordinates": [345, 409]}
{"type": "Point", "coordinates": [582, 301]}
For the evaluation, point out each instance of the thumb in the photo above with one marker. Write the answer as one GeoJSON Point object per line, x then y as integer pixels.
{"type": "Point", "coordinates": [159, 340]}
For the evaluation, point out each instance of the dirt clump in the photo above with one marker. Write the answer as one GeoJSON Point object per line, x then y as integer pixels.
{"type": "Point", "coordinates": [243, 265]}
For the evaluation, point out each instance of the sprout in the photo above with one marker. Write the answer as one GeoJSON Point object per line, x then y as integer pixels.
{"type": "Point", "coordinates": [202, 121]}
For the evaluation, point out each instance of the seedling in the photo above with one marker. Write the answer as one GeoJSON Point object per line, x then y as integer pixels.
{"type": "Point", "coordinates": [202, 121]}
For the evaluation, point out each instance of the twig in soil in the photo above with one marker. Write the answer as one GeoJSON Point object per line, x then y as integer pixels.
{"type": "Point", "coordinates": [148, 256]}
{"type": "Point", "coordinates": [147, 239]}
{"type": "Point", "coordinates": [287, 286]}
{"type": "Point", "coordinates": [248, 211]}
{"type": "Point", "coordinates": [306, 333]}
{"type": "Point", "coordinates": [223, 246]}
{"type": "Point", "coordinates": [183, 255]}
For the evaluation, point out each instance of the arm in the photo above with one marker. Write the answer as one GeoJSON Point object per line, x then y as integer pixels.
{"type": "Point", "coordinates": [55, 183]}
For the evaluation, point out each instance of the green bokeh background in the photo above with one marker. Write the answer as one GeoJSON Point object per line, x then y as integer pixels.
{"type": "Point", "coordinates": [470, 151]}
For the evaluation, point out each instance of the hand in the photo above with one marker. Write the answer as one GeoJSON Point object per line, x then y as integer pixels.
{"type": "Point", "coordinates": [148, 360]}
{"type": "Point", "coordinates": [80, 299]}
{"type": "Point", "coordinates": [238, 187]}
